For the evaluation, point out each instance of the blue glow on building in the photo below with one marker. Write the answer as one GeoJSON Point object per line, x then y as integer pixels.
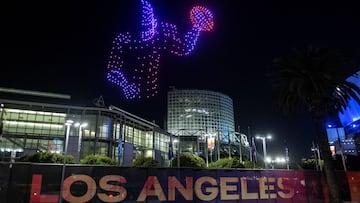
{"type": "Point", "coordinates": [352, 112]}
{"type": "Point", "coordinates": [344, 136]}
{"type": "Point", "coordinates": [335, 134]}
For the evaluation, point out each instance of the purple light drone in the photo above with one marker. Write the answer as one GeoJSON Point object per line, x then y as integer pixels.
{"type": "Point", "coordinates": [140, 58]}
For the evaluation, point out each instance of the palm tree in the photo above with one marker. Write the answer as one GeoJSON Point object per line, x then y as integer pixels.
{"type": "Point", "coordinates": [315, 79]}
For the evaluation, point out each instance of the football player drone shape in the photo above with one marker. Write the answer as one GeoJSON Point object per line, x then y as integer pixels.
{"type": "Point", "coordinates": [133, 64]}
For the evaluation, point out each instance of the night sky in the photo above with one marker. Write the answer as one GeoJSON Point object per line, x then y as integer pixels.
{"type": "Point", "coordinates": [62, 47]}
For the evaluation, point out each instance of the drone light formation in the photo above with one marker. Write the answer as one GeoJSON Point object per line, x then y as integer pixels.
{"type": "Point", "coordinates": [148, 21]}
{"type": "Point", "coordinates": [134, 62]}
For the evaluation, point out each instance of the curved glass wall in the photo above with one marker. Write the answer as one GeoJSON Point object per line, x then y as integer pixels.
{"type": "Point", "coordinates": [200, 112]}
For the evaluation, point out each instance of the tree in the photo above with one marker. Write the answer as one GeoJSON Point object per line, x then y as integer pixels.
{"type": "Point", "coordinates": [316, 79]}
{"type": "Point", "coordinates": [227, 163]}
{"type": "Point", "coordinates": [309, 164]}
{"type": "Point", "coordinates": [97, 159]}
{"type": "Point", "coordinates": [189, 160]}
{"type": "Point", "coordinates": [147, 162]}
{"type": "Point", "coordinates": [46, 157]}
{"type": "Point", "coordinates": [250, 164]}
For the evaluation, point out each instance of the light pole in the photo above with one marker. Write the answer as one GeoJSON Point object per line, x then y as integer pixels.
{"type": "Point", "coordinates": [287, 157]}
{"type": "Point", "coordinates": [264, 146]}
{"type": "Point", "coordinates": [68, 125]}
{"type": "Point", "coordinates": [229, 143]}
{"type": "Point", "coordinates": [218, 145]}
{"type": "Point", "coordinates": [206, 151]}
{"type": "Point", "coordinates": [81, 126]}
{"type": "Point", "coordinates": [317, 156]}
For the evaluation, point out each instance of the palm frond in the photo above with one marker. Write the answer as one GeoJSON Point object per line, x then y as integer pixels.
{"type": "Point", "coordinates": [313, 75]}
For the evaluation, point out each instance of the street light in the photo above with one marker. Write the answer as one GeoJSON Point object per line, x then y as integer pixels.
{"type": "Point", "coordinates": [317, 156]}
{"type": "Point", "coordinates": [81, 126]}
{"type": "Point", "coordinates": [287, 157]}
{"type": "Point", "coordinates": [277, 160]}
{"type": "Point", "coordinates": [264, 146]}
{"type": "Point", "coordinates": [206, 151]}
{"type": "Point", "coordinates": [68, 125]}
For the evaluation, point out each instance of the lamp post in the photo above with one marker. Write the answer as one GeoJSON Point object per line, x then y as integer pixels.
{"type": "Point", "coordinates": [229, 145]}
{"type": "Point", "coordinates": [218, 145]}
{"type": "Point", "coordinates": [317, 156]}
{"type": "Point", "coordinates": [81, 126]}
{"type": "Point", "coordinates": [68, 125]}
{"type": "Point", "coordinates": [287, 157]}
{"type": "Point", "coordinates": [206, 151]}
{"type": "Point", "coordinates": [264, 146]}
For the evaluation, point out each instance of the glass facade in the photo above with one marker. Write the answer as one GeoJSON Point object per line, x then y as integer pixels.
{"type": "Point", "coordinates": [28, 127]}
{"type": "Point", "coordinates": [192, 114]}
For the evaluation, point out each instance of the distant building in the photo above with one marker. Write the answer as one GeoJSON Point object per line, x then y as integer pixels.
{"type": "Point", "coordinates": [338, 141]}
{"type": "Point", "coordinates": [29, 126]}
{"type": "Point", "coordinates": [192, 114]}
